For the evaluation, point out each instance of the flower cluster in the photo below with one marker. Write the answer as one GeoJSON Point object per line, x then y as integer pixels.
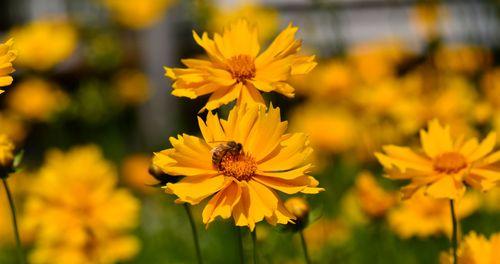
{"type": "Point", "coordinates": [240, 162]}
{"type": "Point", "coordinates": [75, 194]}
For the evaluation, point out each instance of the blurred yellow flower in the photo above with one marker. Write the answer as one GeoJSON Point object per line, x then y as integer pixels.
{"type": "Point", "coordinates": [236, 71]}
{"type": "Point", "coordinates": [425, 16]}
{"type": "Point", "coordinates": [462, 58]}
{"type": "Point", "coordinates": [43, 44]}
{"type": "Point", "coordinates": [298, 206]}
{"type": "Point", "coordinates": [241, 161]}
{"type": "Point", "coordinates": [447, 166]}
{"type": "Point", "coordinates": [137, 14]}
{"type": "Point", "coordinates": [135, 172]}
{"type": "Point", "coordinates": [330, 129]}
{"type": "Point", "coordinates": [131, 87]}
{"type": "Point", "coordinates": [37, 99]}
{"type": "Point", "coordinates": [333, 79]}
{"type": "Point", "coordinates": [424, 216]}
{"type": "Point", "coordinates": [6, 152]}
{"type": "Point", "coordinates": [373, 199]}
{"type": "Point", "coordinates": [12, 126]}
{"type": "Point", "coordinates": [7, 55]}
{"type": "Point", "coordinates": [75, 212]}
{"type": "Point", "coordinates": [490, 84]}
{"type": "Point", "coordinates": [266, 19]}
{"type": "Point", "coordinates": [326, 232]}
{"type": "Point", "coordinates": [375, 61]}
{"type": "Point", "coordinates": [476, 249]}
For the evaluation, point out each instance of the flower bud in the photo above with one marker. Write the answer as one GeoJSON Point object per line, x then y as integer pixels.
{"type": "Point", "coordinates": [300, 209]}
{"type": "Point", "coordinates": [6, 155]}
{"type": "Point", "coordinates": [161, 176]}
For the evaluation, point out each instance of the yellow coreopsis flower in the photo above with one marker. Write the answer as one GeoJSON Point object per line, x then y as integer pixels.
{"type": "Point", "coordinates": [235, 69]}
{"type": "Point", "coordinates": [240, 162]}
{"type": "Point", "coordinates": [7, 56]}
{"type": "Point", "coordinates": [423, 216]}
{"type": "Point", "coordinates": [76, 214]}
{"type": "Point", "coordinates": [36, 99]}
{"type": "Point", "coordinates": [43, 44]}
{"type": "Point", "coordinates": [476, 249]}
{"type": "Point", "coordinates": [137, 14]}
{"type": "Point", "coordinates": [447, 165]}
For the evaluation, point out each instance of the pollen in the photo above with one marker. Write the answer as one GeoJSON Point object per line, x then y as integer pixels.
{"type": "Point", "coordinates": [242, 67]}
{"type": "Point", "coordinates": [242, 167]}
{"type": "Point", "coordinates": [450, 162]}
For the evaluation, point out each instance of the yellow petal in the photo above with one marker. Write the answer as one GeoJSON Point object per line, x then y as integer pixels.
{"type": "Point", "coordinates": [194, 189]}
{"type": "Point", "coordinates": [447, 188]}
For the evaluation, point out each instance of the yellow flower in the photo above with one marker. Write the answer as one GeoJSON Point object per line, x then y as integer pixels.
{"type": "Point", "coordinates": [446, 166]}
{"type": "Point", "coordinates": [332, 79]}
{"type": "Point", "coordinates": [75, 212]}
{"type": "Point", "coordinates": [330, 129]}
{"type": "Point", "coordinates": [462, 58]}
{"type": "Point", "coordinates": [326, 231]}
{"type": "Point", "coordinates": [424, 216]}
{"type": "Point", "coordinates": [266, 19]}
{"type": "Point", "coordinates": [37, 99]}
{"type": "Point", "coordinates": [6, 152]}
{"type": "Point", "coordinates": [425, 17]}
{"type": "Point", "coordinates": [298, 207]}
{"type": "Point", "coordinates": [131, 87]}
{"type": "Point", "coordinates": [43, 44]}
{"type": "Point", "coordinates": [476, 249]}
{"type": "Point", "coordinates": [373, 199]}
{"type": "Point", "coordinates": [137, 14]}
{"type": "Point", "coordinates": [236, 71]}
{"type": "Point", "coordinates": [12, 126]}
{"type": "Point", "coordinates": [375, 61]}
{"type": "Point", "coordinates": [7, 56]}
{"type": "Point", "coordinates": [490, 83]}
{"type": "Point", "coordinates": [241, 161]}
{"type": "Point", "coordinates": [135, 173]}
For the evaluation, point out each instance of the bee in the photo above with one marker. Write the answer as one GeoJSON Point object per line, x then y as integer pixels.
{"type": "Point", "coordinates": [227, 148]}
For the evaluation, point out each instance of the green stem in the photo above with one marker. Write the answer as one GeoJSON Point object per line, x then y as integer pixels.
{"type": "Point", "coordinates": [254, 240]}
{"type": "Point", "coordinates": [304, 247]}
{"type": "Point", "coordinates": [241, 247]}
{"type": "Point", "coordinates": [14, 221]}
{"type": "Point", "coordinates": [195, 233]}
{"type": "Point", "coordinates": [454, 239]}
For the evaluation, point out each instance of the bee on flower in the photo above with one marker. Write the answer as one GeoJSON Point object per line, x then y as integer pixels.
{"type": "Point", "coordinates": [240, 163]}
{"type": "Point", "coordinates": [447, 165]}
{"type": "Point", "coordinates": [236, 70]}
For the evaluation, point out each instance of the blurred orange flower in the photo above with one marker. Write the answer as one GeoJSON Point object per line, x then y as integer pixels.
{"type": "Point", "coordinates": [373, 199]}
{"type": "Point", "coordinates": [36, 99]}
{"type": "Point", "coordinates": [43, 44]}
{"type": "Point", "coordinates": [135, 172]}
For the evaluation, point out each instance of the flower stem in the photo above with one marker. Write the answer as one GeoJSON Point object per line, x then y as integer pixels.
{"type": "Point", "coordinates": [241, 247]}
{"type": "Point", "coordinates": [304, 247]}
{"type": "Point", "coordinates": [254, 240]}
{"type": "Point", "coordinates": [454, 239]}
{"type": "Point", "coordinates": [195, 233]}
{"type": "Point", "coordinates": [14, 221]}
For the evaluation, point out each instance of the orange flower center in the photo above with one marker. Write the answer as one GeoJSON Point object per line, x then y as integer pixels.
{"type": "Point", "coordinates": [242, 166]}
{"type": "Point", "coordinates": [449, 163]}
{"type": "Point", "coordinates": [242, 67]}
